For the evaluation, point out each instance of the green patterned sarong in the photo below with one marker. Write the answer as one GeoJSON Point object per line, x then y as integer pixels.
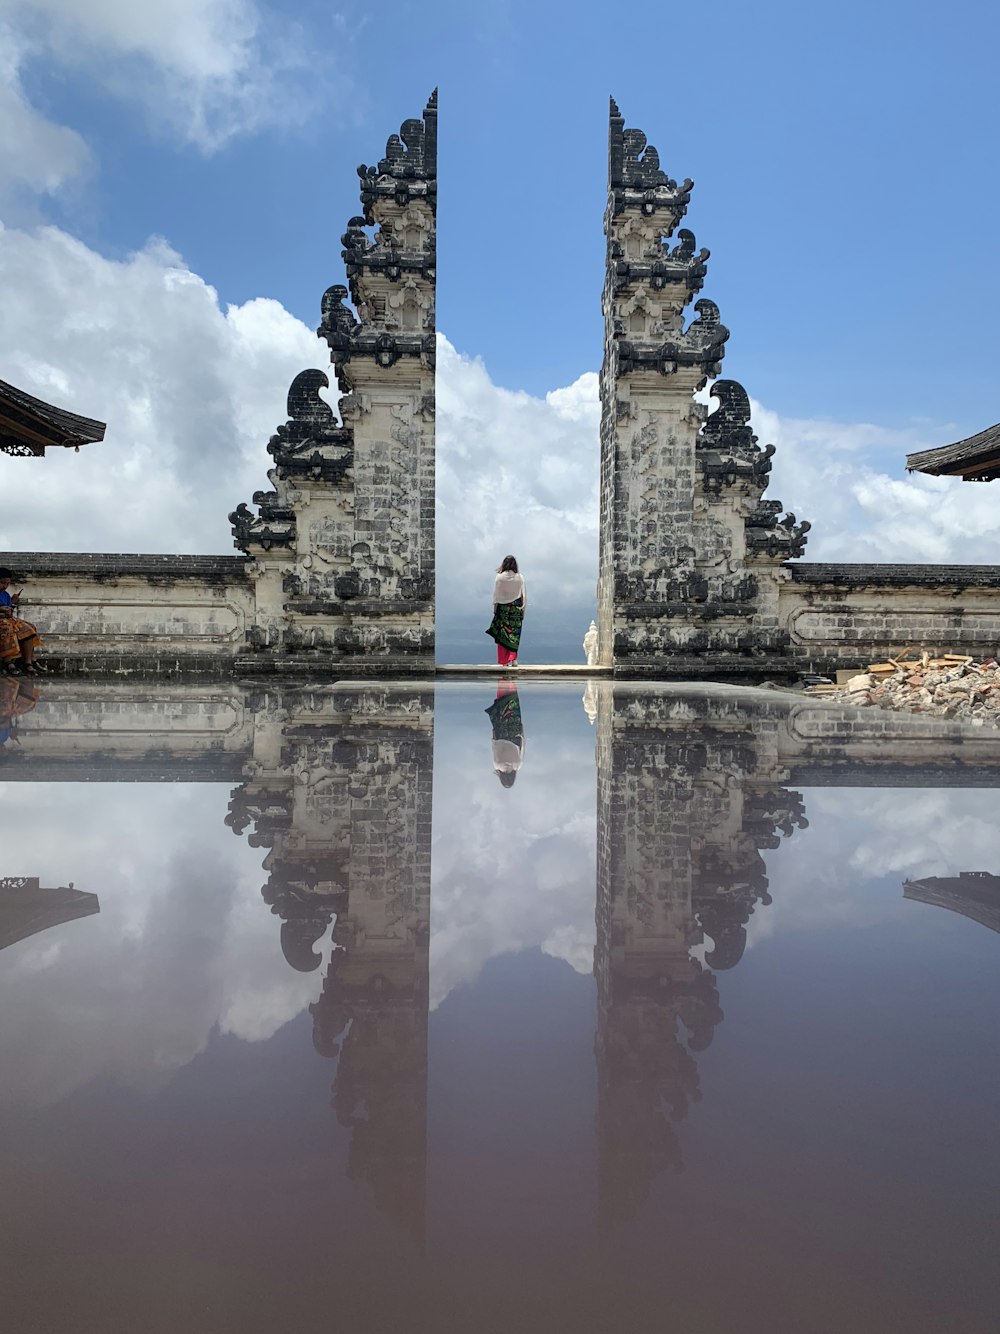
{"type": "Point", "coordinates": [505, 627]}
{"type": "Point", "coordinates": [505, 715]}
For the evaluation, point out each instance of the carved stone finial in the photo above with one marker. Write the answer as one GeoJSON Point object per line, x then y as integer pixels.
{"type": "Point", "coordinates": [728, 427]}
{"type": "Point", "coordinates": [412, 153]}
{"type": "Point", "coordinates": [304, 402]}
{"type": "Point", "coordinates": [776, 538]}
{"type": "Point", "coordinates": [633, 163]}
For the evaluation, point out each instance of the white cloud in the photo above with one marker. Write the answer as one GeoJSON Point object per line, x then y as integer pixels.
{"type": "Point", "coordinates": [515, 473]}
{"type": "Point", "coordinates": [191, 394]}
{"type": "Point", "coordinates": [834, 474]}
{"type": "Point", "coordinates": [35, 154]}
{"type": "Point", "coordinates": [204, 70]}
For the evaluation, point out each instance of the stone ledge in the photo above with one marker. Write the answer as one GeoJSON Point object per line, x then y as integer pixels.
{"type": "Point", "coordinates": [112, 664]}
{"type": "Point", "coordinates": [320, 665]}
{"type": "Point", "coordinates": [356, 607]}
{"type": "Point", "coordinates": [706, 609]}
{"type": "Point", "coordinates": [708, 667]}
{"type": "Point", "coordinates": [522, 671]}
{"type": "Point", "coordinates": [113, 767]}
{"type": "Point", "coordinates": [894, 576]}
{"type": "Point", "coordinates": [102, 565]}
{"type": "Point", "coordinates": [953, 770]}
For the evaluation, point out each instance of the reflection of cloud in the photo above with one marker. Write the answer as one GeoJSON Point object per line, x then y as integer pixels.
{"type": "Point", "coordinates": [823, 876]}
{"type": "Point", "coordinates": [513, 868]}
{"type": "Point", "coordinates": [183, 942]}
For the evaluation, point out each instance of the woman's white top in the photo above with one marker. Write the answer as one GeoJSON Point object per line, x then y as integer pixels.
{"type": "Point", "coordinates": [508, 588]}
{"type": "Point", "coordinates": [506, 756]}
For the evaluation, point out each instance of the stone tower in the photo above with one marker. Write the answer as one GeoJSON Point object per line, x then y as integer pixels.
{"type": "Point", "coordinates": [343, 546]}
{"type": "Point", "coordinates": [690, 553]}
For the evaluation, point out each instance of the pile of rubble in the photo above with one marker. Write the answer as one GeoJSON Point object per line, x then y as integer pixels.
{"type": "Point", "coordinates": [951, 685]}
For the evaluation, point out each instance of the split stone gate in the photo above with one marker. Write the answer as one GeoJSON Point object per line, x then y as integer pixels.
{"type": "Point", "coordinates": [699, 573]}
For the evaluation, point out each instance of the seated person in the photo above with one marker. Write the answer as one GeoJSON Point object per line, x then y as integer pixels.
{"type": "Point", "coordinates": [16, 698]}
{"type": "Point", "coordinates": [18, 639]}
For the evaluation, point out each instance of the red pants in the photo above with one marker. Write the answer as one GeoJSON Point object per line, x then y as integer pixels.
{"type": "Point", "coordinates": [505, 655]}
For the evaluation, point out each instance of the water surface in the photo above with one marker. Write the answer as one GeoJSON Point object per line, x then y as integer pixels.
{"type": "Point", "coordinates": [388, 1007]}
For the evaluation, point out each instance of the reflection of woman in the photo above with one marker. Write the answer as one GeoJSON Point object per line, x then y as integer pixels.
{"type": "Point", "coordinates": [510, 602]}
{"type": "Point", "coordinates": [508, 732]}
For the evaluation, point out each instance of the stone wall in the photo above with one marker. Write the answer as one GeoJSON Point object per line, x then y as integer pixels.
{"type": "Point", "coordinates": [125, 614]}
{"type": "Point", "coordinates": [698, 571]}
{"type": "Point", "coordinates": [850, 615]}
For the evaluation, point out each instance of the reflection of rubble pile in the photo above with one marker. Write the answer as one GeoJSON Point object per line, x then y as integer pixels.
{"type": "Point", "coordinates": [953, 686]}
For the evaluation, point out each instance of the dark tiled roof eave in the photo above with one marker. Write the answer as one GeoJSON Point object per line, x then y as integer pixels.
{"type": "Point", "coordinates": [77, 430]}
{"type": "Point", "coordinates": [981, 449]}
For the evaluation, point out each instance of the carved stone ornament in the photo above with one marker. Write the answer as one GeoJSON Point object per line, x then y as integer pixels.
{"type": "Point", "coordinates": [728, 427]}
{"type": "Point", "coordinates": [634, 173]}
{"type": "Point", "coordinates": [702, 344]}
{"type": "Point", "coordinates": [311, 445]}
{"type": "Point", "coordinates": [778, 539]}
{"type": "Point", "coordinates": [409, 168]}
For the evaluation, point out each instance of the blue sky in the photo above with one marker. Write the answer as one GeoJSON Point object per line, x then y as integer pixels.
{"type": "Point", "coordinates": [844, 182]}
{"type": "Point", "coordinates": [841, 156]}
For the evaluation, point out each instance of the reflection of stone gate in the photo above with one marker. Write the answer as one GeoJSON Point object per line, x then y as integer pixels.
{"type": "Point", "coordinates": [339, 792]}
{"type": "Point", "coordinates": [687, 799]}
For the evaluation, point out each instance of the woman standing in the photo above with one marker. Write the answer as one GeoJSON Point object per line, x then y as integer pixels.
{"type": "Point", "coordinates": [510, 602]}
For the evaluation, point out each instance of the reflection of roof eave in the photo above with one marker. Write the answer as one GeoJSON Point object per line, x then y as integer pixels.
{"type": "Point", "coordinates": [26, 908]}
{"type": "Point", "coordinates": [29, 425]}
{"type": "Point", "coordinates": [973, 894]}
{"type": "Point", "coordinates": [974, 459]}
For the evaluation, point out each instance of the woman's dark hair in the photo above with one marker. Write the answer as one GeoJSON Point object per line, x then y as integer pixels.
{"type": "Point", "coordinates": [507, 776]}
{"type": "Point", "coordinates": [9, 574]}
{"type": "Point", "coordinates": [507, 566]}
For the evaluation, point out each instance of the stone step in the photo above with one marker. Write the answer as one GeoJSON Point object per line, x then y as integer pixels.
{"type": "Point", "coordinates": [557, 669]}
